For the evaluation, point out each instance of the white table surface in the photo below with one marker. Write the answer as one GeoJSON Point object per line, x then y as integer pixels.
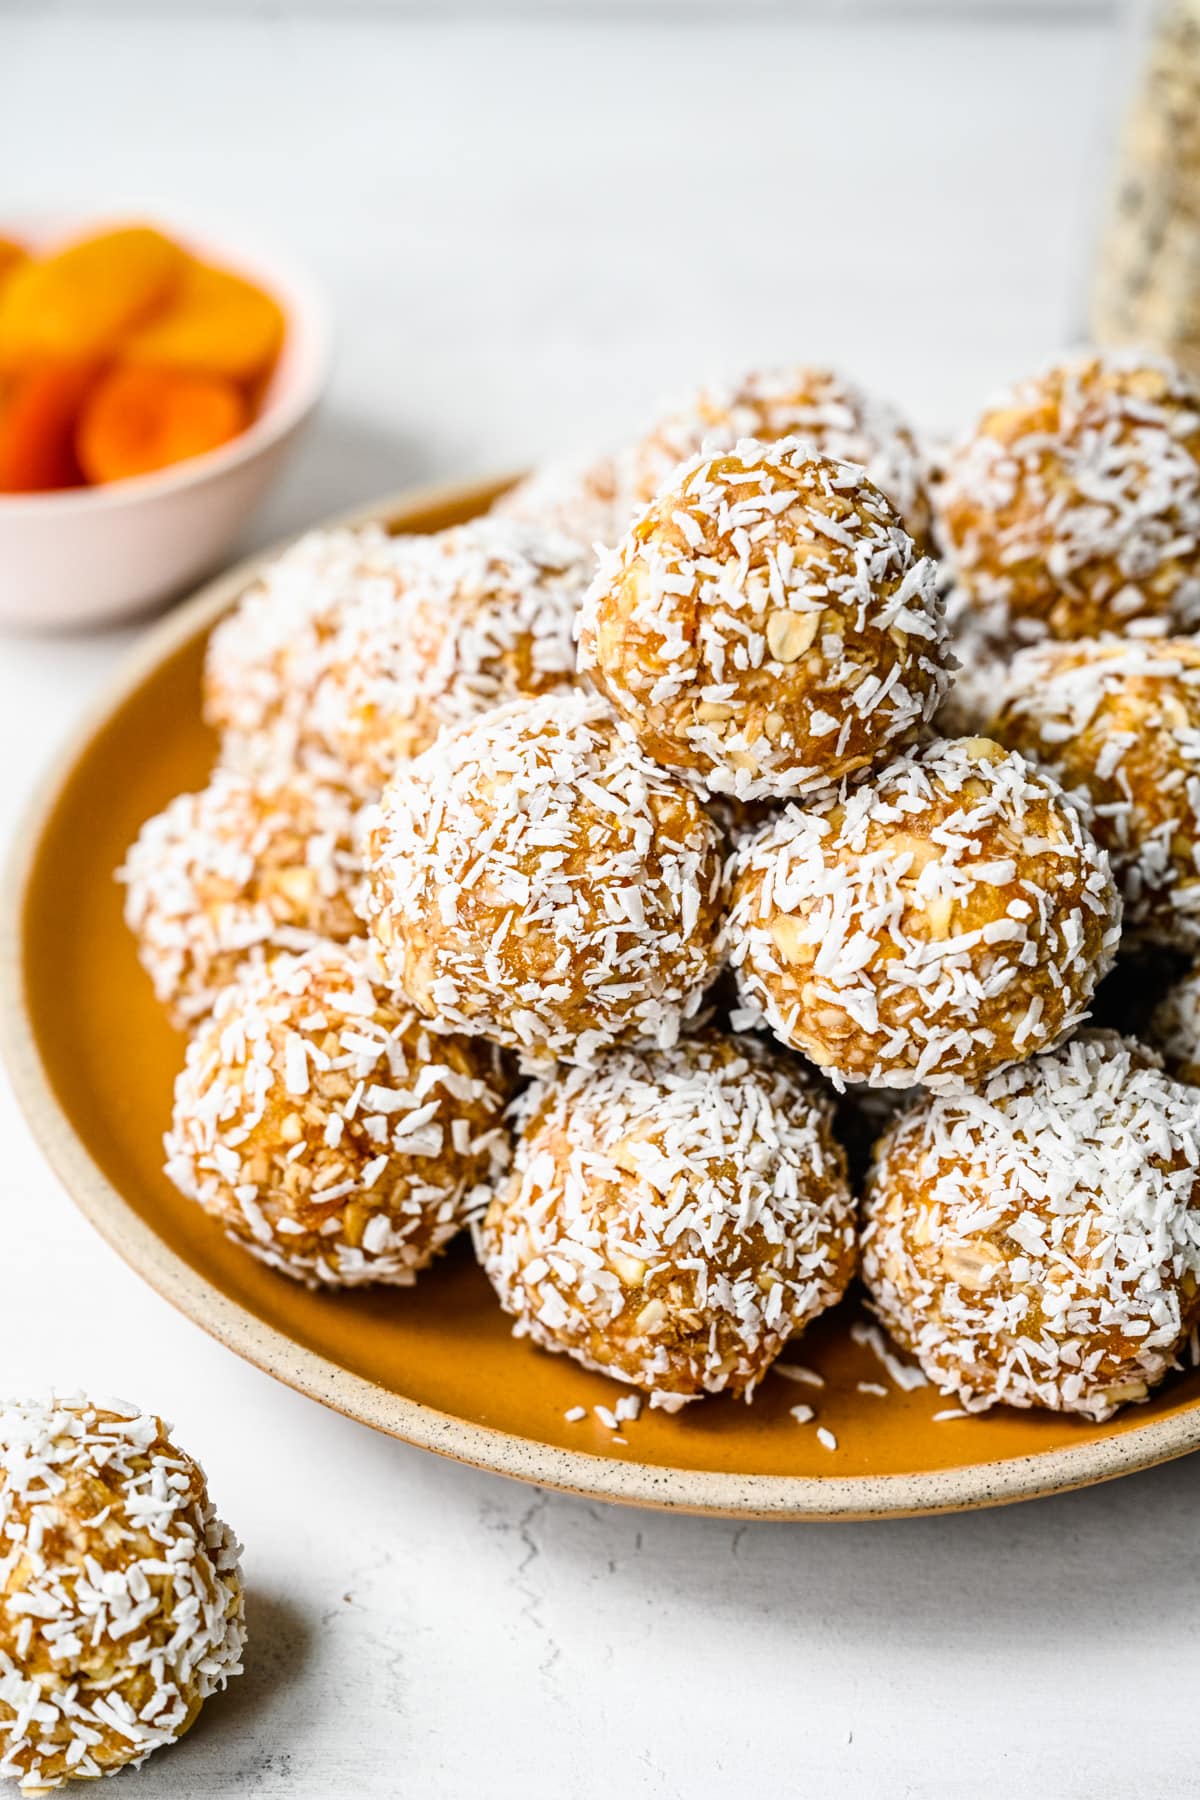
{"type": "Point", "coordinates": [528, 231]}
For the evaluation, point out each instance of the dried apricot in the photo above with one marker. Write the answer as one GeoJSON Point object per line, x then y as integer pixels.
{"type": "Point", "coordinates": [216, 323]}
{"type": "Point", "coordinates": [77, 302]}
{"type": "Point", "coordinates": [38, 417]}
{"type": "Point", "coordinates": [139, 420]}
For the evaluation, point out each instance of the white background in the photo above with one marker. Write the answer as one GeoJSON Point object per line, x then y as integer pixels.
{"type": "Point", "coordinates": [529, 228]}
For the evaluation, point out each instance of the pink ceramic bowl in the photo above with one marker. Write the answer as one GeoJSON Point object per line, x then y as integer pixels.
{"type": "Point", "coordinates": [87, 555]}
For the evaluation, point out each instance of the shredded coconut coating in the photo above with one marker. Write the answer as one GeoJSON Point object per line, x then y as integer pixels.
{"type": "Point", "coordinates": [766, 627]}
{"type": "Point", "coordinates": [587, 501]}
{"type": "Point", "coordinates": [1175, 1028]}
{"type": "Point", "coordinates": [1074, 508]}
{"type": "Point", "coordinates": [829, 413]}
{"type": "Point", "coordinates": [121, 1606]}
{"type": "Point", "coordinates": [1038, 1242]}
{"type": "Point", "coordinates": [336, 1134]}
{"type": "Point", "coordinates": [948, 917]}
{"type": "Point", "coordinates": [233, 875]}
{"type": "Point", "coordinates": [1118, 723]}
{"type": "Point", "coordinates": [266, 658]}
{"type": "Point", "coordinates": [535, 879]}
{"type": "Point", "coordinates": [672, 1217]}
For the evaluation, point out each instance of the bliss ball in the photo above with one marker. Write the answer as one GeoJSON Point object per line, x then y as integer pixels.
{"type": "Point", "coordinates": [433, 631]}
{"type": "Point", "coordinates": [535, 879]}
{"type": "Point", "coordinates": [1074, 507]}
{"type": "Point", "coordinates": [586, 501]}
{"type": "Point", "coordinates": [486, 612]}
{"type": "Point", "coordinates": [1118, 723]}
{"type": "Point", "coordinates": [766, 627]}
{"type": "Point", "coordinates": [673, 1216]}
{"type": "Point", "coordinates": [827, 412]}
{"type": "Point", "coordinates": [1038, 1242]}
{"type": "Point", "coordinates": [235, 874]}
{"type": "Point", "coordinates": [266, 657]}
{"type": "Point", "coordinates": [929, 926]}
{"type": "Point", "coordinates": [1175, 1027]}
{"type": "Point", "coordinates": [336, 1134]}
{"type": "Point", "coordinates": [121, 1607]}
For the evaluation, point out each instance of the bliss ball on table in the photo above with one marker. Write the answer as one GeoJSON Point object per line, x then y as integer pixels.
{"type": "Point", "coordinates": [766, 626]}
{"type": "Point", "coordinates": [1037, 1241]}
{"type": "Point", "coordinates": [673, 1216]}
{"type": "Point", "coordinates": [948, 916]}
{"type": "Point", "coordinates": [235, 874]}
{"type": "Point", "coordinates": [1117, 721]}
{"type": "Point", "coordinates": [121, 1606]}
{"type": "Point", "coordinates": [534, 878]}
{"type": "Point", "coordinates": [832, 415]}
{"type": "Point", "coordinates": [335, 1133]}
{"type": "Point", "coordinates": [1074, 507]}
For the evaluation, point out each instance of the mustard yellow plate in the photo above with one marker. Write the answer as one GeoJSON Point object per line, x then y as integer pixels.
{"type": "Point", "coordinates": [93, 1061]}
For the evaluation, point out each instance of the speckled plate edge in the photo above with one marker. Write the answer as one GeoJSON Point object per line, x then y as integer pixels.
{"type": "Point", "coordinates": [639, 1484]}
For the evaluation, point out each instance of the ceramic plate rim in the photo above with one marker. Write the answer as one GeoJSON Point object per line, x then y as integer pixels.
{"type": "Point", "coordinates": [729, 1495]}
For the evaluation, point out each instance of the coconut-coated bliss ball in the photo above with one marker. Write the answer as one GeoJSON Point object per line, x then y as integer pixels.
{"type": "Point", "coordinates": [265, 658]}
{"type": "Point", "coordinates": [1118, 723]}
{"type": "Point", "coordinates": [826, 411]}
{"type": "Point", "coordinates": [485, 612]}
{"type": "Point", "coordinates": [426, 632]}
{"type": "Point", "coordinates": [766, 626]}
{"type": "Point", "coordinates": [672, 1216]}
{"type": "Point", "coordinates": [945, 918]}
{"type": "Point", "coordinates": [237, 873]}
{"type": "Point", "coordinates": [333, 1131]}
{"type": "Point", "coordinates": [1037, 1242]}
{"type": "Point", "coordinates": [121, 1606]}
{"type": "Point", "coordinates": [534, 878]}
{"type": "Point", "coordinates": [1074, 506]}
{"type": "Point", "coordinates": [1175, 1027]}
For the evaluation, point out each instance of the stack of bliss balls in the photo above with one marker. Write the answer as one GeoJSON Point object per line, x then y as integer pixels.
{"type": "Point", "coordinates": [561, 870]}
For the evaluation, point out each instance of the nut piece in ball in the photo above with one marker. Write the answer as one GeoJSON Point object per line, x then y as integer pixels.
{"type": "Point", "coordinates": [947, 917]}
{"type": "Point", "coordinates": [1074, 508]}
{"type": "Point", "coordinates": [766, 627]}
{"type": "Point", "coordinates": [1038, 1242]}
{"type": "Point", "coordinates": [823, 409]}
{"type": "Point", "coordinates": [673, 1217]}
{"type": "Point", "coordinates": [1118, 723]}
{"type": "Point", "coordinates": [121, 1606]}
{"type": "Point", "coordinates": [336, 1134]}
{"type": "Point", "coordinates": [235, 874]}
{"type": "Point", "coordinates": [535, 879]}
